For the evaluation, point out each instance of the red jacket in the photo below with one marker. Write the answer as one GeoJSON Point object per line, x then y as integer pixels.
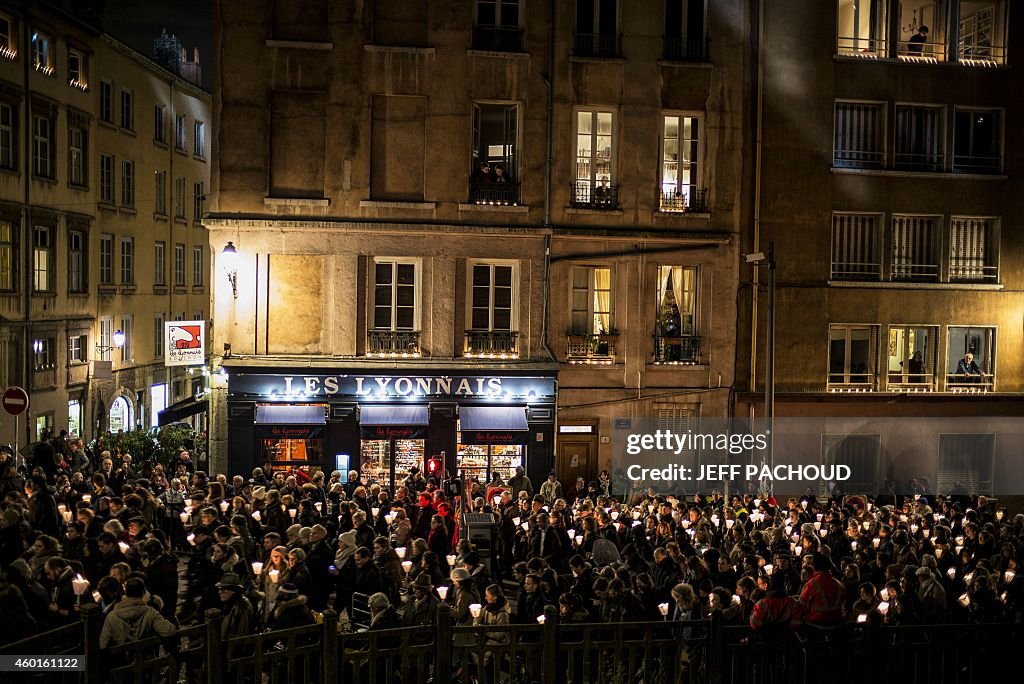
{"type": "Point", "coordinates": [775, 612]}
{"type": "Point", "coordinates": [823, 600]}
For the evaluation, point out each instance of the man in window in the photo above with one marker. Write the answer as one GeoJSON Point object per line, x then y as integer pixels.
{"type": "Point", "coordinates": [918, 40]}
{"type": "Point", "coordinates": [969, 371]}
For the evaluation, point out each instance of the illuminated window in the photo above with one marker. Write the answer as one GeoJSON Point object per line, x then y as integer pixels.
{"type": "Point", "coordinates": [852, 355]}
{"type": "Point", "coordinates": [911, 353]}
{"type": "Point", "coordinates": [595, 183]}
{"type": "Point", "coordinates": [592, 300]}
{"type": "Point", "coordinates": [680, 163]}
{"type": "Point", "coordinates": [42, 53]}
{"type": "Point", "coordinates": [861, 28]}
{"type": "Point", "coordinates": [395, 295]}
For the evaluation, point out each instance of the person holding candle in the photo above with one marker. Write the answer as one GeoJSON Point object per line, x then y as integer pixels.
{"type": "Point", "coordinates": [161, 568]}
{"type": "Point", "coordinates": [390, 567]}
{"type": "Point", "coordinates": [239, 616]}
{"type": "Point", "coordinates": [462, 595]}
{"type": "Point", "coordinates": [344, 572]}
{"type": "Point", "coordinates": [421, 610]}
{"type": "Point", "coordinates": [269, 581]}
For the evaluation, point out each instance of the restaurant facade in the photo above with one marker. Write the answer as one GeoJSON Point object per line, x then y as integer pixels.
{"type": "Point", "coordinates": [382, 423]}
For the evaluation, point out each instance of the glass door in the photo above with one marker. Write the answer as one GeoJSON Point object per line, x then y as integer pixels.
{"type": "Point", "coordinates": [375, 460]}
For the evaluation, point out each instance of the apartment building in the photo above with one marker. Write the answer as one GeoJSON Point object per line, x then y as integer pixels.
{"type": "Point", "coordinates": [889, 180]}
{"type": "Point", "coordinates": [487, 233]}
{"type": "Point", "coordinates": [104, 170]}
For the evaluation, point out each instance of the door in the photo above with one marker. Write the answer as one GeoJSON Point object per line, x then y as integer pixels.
{"type": "Point", "coordinates": [576, 459]}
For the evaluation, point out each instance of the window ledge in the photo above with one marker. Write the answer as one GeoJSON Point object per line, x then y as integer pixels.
{"type": "Point", "coordinates": [7, 171]}
{"type": "Point", "coordinates": [108, 124]}
{"type": "Point", "coordinates": [160, 143]}
{"type": "Point", "coordinates": [495, 208]}
{"type": "Point", "coordinates": [160, 217]}
{"type": "Point", "coordinates": [393, 204]}
{"type": "Point", "coordinates": [596, 59]}
{"type": "Point", "coordinates": [593, 212]}
{"type": "Point", "coordinates": [181, 220]}
{"type": "Point", "coordinates": [682, 214]}
{"type": "Point", "coordinates": [198, 158]}
{"type": "Point", "coordinates": [843, 171]}
{"type": "Point", "coordinates": [180, 289]}
{"type": "Point", "coordinates": [197, 223]}
{"type": "Point", "coordinates": [198, 289]}
{"type": "Point", "coordinates": [886, 285]}
{"type": "Point", "coordinates": [181, 150]}
{"type": "Point", "coordinates": [409, 49]}
{"type": "Point", "coordinates": [78, 186]}
{"type": "Point", "coordinates": [44, 179]}
{"type": "Point", "coordinates": [132, 211]}
{"type": "Point", "coordinates": [107, 290]}
{"type": "Point", "coordinates": [159, 289]}
{"type": "Point", "coordinates": [107, 206]}
{"type": "Point", "coordinates": [128, 289]}
{"type": "Point", "coordinates": [498, 54]}
{"type": "Point", "coordinates": [299, 44]}
{"type": "Point", "coordinates": [695, 64]}
{"type": "Point", "coordinates": [128, 131]}
{"type": "Point", "coordinates": [78, 295]}
{"type": "Point", "coordinates": [676, 366]}
{"type": "Point", "coordinates": [296, 202]}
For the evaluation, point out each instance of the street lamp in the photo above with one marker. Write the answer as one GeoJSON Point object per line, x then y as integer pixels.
{"type": "Point", "coordinates": [118, 343]}
{"type": "Point", "coordinates": [767, 260]}
{"type": "Point", "coordinates": [229, 261]}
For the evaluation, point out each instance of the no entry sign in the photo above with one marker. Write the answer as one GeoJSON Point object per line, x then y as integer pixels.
{"type": "Point", "coordinates": [15, 400]}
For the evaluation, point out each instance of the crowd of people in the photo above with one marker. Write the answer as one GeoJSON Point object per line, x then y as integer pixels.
{"type": "Point", "coordinates": [156, 546]}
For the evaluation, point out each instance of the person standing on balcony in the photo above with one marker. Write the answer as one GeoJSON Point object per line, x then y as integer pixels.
{"type": "Point", "coordinates": [967, 370]}
{"type": "Point", "coordinates": [918, 40]}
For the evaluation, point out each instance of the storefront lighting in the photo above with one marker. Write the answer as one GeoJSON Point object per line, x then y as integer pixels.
{"type": "Point", "coordinates": [229, 260]}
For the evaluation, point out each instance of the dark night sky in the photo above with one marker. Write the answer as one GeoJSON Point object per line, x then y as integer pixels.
{"type": "Point", "coordinates": [138, 22]}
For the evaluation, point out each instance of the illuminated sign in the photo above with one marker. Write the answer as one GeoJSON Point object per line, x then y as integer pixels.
{"type": "Point", "coordinates": [291, 387]}
{"type": "Point", "coordinates": [184, 343]}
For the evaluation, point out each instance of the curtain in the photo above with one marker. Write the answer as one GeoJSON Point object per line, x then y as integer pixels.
{"type": "Point", "coordinates": [602, 300]}
{"type": "Point", "coordinates": [682, 286]}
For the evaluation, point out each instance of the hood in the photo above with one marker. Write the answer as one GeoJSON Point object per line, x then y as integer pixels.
{"type": "Point", "coordinates": [131, 610]}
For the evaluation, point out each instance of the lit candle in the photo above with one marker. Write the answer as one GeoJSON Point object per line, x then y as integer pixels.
{"type": "Point", "coordinates": [400, 550]}
{"type": "Point", "coordinates": [768, 568]}
{"type": "Point", "coordinates": [570, 533]}
{"type": "Point", "coordinates": [1008, 576]}
{"type": "Point", "coordinates": [579, 539]}
{"type": "Point", "coordinates": [497, 499]}
{"type": "Point", "coordinates": [960, 540]}
{"type": "Point", "coordinates": [804, 503]}
{"type": "Point", "coordinates": [515, 521]}
{"type": "Point", "coordinates": [823, 533]}
{"type": "Point", "coordinates": [757, 502]}
{"type": "Point", "coordinates": [736, 599]}
{"type": "Point", "coordinates": [862, 617]}
{"type": "Point", "coordinates": [451, 560]}
{"type": "Point", "coordinates": [374, 511]}
{"type": "Point", "coordinates": [256, 516]}
{"type": "Point", "coordinates": [820, 516]}
{"type": "Point", "coordinates": [729, 523]}
{"type": "Point", "coordinates": [714, 520]}
{"type": "Point", "coordinates": [442, 592]}
{"type": "Point", "coordinates": [883, 607]}
{"type": "Point", "coordinates": [224, 506]}
{"type": "Point", "coordinates": [191, 538]}
{"type": "Point", "coordinates": [474, 609]}
{"type": "Point", "coordinates": [188, 503]}
{"type": "Point", "coordinates": [686, 524]}
{"type": "Point", "coordinates": [292, 512]}
{"type": "Point", "coordinates": [615, 515]}
{"type": "Point", "coordinates": [274, 574]}
{"type": "Point", "coordinates": [951, 573]}
{"type": "Point", "coordinates": [999, 515]}
{"type": "Point", "coordinates": [651, 508]}
{"type": "Point", "coordinates": [526, 527]}
{"type": "Point", "coordinates": [865, 526]}
{"type": "Point", "coordinates": [319, 506]}
{"type": "Point", "coordinates": [257, 568]}
{"type": "Point", "coordinates": [123, 547]}
{"type": "Point", "coordinates": [541, 619]}
{"type": "Point", "coordinates": [938, 552]}
{"type": "Point", "coordinates": [663, 609]}
{"type": "Point", "coordinates": [789, 530]}
{"type": "Point", "coordinates": [853, 545]}
{"type": "Point", "coordinates": [183, 516]}
{"type": "Point", "coordinates": [926, 532]}
{"type": "Point", "coordinates": [913, 529]}
{"type": "Point", "coordinates": [61, 507]}
{"type": "Point", "coordinates": [817, 526]}
{"type": "Point", "coordinates": [965, 599]}
{"type": "Point", "coordinates": [884, 594]}
{"type": "Point", "coordinates": [407, 566]}
{"type": "Point", "coordinates": [798, 550]}
{"type": "Point", "coordinates": [87, 498]}
{"type": "Point", "coordinates": [875, 542]}
{"type": "Point", "coordinates": [968, 577]}
{"type": "Point", "coordinates": [79, 584]}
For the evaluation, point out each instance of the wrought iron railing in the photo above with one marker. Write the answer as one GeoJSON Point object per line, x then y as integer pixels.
{"type": "Point", "coordinates": [855, 46]}
{"type": "Point", "coordinates": [587, 195]}
{"type": "Point", "coordinates": [492, 344]}
{"type": "Point", "coordinates": [677, 349]}
{"type": "Point", "coordinates": [587, 348]}
{"type": "Point", "coordinates": [909, 161]}
{"type": "Point", "coordinates": [853, 270]}
{"type": "Point", "coordinates": [498, 38]}
{"type": "Point", "coordinates": [972, 270]}
{"type": "Point", "coordinates": [927, 53]}
{"type": "Point", "coordinates": [682, 200]}
{"type": "Point", "coordinates": [964, 163]}
{"type": "Point", "coordinates": [597, 45]}
{"type": "Point", "coordinates": [685, 49]}
{"type": "Point", "coordinates": [905, 269]}
{"type": "Point", "coordinates": [394, 342]}
{"type": "Point", "coordinates": [498, 194]}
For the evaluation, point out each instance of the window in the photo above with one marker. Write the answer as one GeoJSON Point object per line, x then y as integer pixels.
{"type": "Point", "coordinates": [680, 164]}
{"type": "Point", "coordinates": [859, 135]}
{"type": "Point", "coordinates": [8, 257]}
{"type": "Point", "coordinates": [915, 248]}
{"type": "Point", "coordinates": [982, 35]}
{"type": "Point", "coordinates": [198, 140]}
{"type": "Point", "coordinates": [107, 101]}
{"type": "Point", "coordinates": [911, 352]}
{"type": "Point", "coordinates": [7, 48]}
{"type": "Point", "coordinates": [158, 334]}
{"type": "Point", "coordinates": [979, 372]}
{"type": "Point", "coordinates": [179, 265]}
{"type": "Point", "coordinates": [160, 193]}
{"type": "Point", "coordinates": [77, 77]}
{"type": "Point", "coordinates": [159, 126]}
{"type": "Point", "coordinates": [197, 266]}
{"type": "Point", "coordinates": [159, 266]}
{"type": "Point", "coordinates": [395, 295]}
{"type": "Point", "coordinates": [966, 464]}
{"type": "Point", "coordinates": [8, 139]}
{"type": "Point", "coordinates": [856, 247]}
{"type": "Point", "coordinates": [77, 156]}
{"type": "Point", "coordinates": [498, 26]}
{"type": "Point", "coordinates": [495, 150]}
{"type": "Point", "coordinates": [179, 132]}
{"type": "Point", "coordinates": [919, 138]}
{"type": "Point", "coordinates": [179, 197]}
{"type": "Point", "coordinates": [42, 259]}
{"type": "Point", "coordinates": [106, 338]}
{"type": "Point", "coordinates": [77, 346]}
{"type": "Point", "coordinates": [973, 249]}
{"type": "Point", "coordinates": [859, 452]}
{"type": "Point", "coordinates": [597, 29]}
{"type": "Point", "coordinates": [127, 261]}
{"type": "Point", "coordinates": [127, 352]}
{"type": "Point", "coordinates": [594, 186]}
{"type": "Point", "coordinates": [862, 28]}
{"type": "Point", "coordinates": [42, 353]}
{"type": "Point", "coordinates": [106, 260]}
{"type": "Point", "coordinates": [851, 355]}
{"type": "Point", "coordinates": [491, 300]}
{"type": "Point", "coordinates": [684, 29]}
{"type": "Point", "coordinates": [198, 196]}
{"type": "Point", "coordinates": [42, 146]}
{"type": "Point", "coordinates": [42, 53]}
{"type": "Point", "coordinates": [127, 183]}
{"type": "Point", "coordinates": [78, 261]}
{"type": "Point", "coordinates": [592, 300]}
{"type": "Point", "coordinates": [977, 142]}
{"type": "Point", "coordinates": [127, 110]}
{"type": "Point", "coordinates": [676, 315]}
{"type": "Point", "coordinates": [107, 178]}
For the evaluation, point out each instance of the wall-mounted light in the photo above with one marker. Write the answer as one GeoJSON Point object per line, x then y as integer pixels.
{"type": "Point", "coordinates": [229, 260]}
{"type": "Point", "coordinates": [118, 343]}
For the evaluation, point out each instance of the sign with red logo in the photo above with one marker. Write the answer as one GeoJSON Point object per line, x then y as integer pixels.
{"type": "Point", "coordinates": [184, 343]}
{"type": "Point", "coordinates": [15, 400]}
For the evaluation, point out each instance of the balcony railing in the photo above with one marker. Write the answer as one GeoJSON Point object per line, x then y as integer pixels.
{"type": "Point", "coordinates": [971, 270]}
{"type": "Point", "coordinates": [909, 161]}
{"type": "Point", "coordinates": [685, 49]}
{"type": "Point", "coordinates": [908, 270]}
{"type": "Point", "coordinates": [498, 38]}
{"type": "Point", "coordinates": [393, 343]}
{"type": "Point", "coordinates": [681, 349]}
{"type": "Point", "coordinates": [970, 384]}
{"type": "Point", "coordinates": [922, 53]}
{"type": "Point", "coordinates": [583, 348]}
{"type": "Point", "coordinates": [584, 195]}
{"type": "Point", "coordinates": [492, 344]}
{"type": "Point", "coordinates": [597, 45]}
{"type": "Point", "coordinates": [858, 159]}
{"type": "Point", "coordinates": [911, 382]}
{"type": "Point", "coordinates": [972, 54]}
{"type": "Point", "coordinates": [499, 194]}
{"type": "Point", "coordinates": [964, 163]}
{"type": "Point", "coordinates": [851, 270]}
{"type": "Point", "coordinates": [688, 199]}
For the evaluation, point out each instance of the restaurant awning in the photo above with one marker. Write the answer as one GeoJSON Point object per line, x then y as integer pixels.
{"type": "Point", "coordinates": [492, 418]}
{"type": "Point", "coordinates": [393, 415]}
{"type": "Point", "coordinates": [181, 410]}
{"type": "Point", "coordinates": [288, 414]}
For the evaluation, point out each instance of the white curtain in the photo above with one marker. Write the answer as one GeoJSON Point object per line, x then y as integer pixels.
{"type": "Point", "coordinates": [602, 300]}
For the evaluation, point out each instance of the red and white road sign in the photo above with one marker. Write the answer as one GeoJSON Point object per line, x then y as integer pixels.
{"type": "Point", "coordinates": [15, 400]}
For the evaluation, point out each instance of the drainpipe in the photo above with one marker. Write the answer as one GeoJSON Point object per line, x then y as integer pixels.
{"type": "Point", "coordinates": [26, 337]}
{"type": "Point", "coordinates": [548, 180]}
{"type": "Point", "coordinates": [758, 142]}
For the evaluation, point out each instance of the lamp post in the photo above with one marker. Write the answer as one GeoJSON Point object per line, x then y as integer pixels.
{"type": "Point", "coordinates": [229, 261]}
{"type": "Point", "coordinates": [767, 260]}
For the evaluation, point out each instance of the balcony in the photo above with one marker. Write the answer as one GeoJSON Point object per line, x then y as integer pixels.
{"type": "Point", "coordinates": [909, 161]}
{"type": "Point", "coordinates": [970, 270]}
{"type": "Point", "coordinates": [498, 38]}
{"type": "Point", "coordinates": [970, 384]}
{"type": "Point", "coordinates": [965, 163]}
{"type": "Point", "coordinates": [495, 194]}
{"type": "Point", "coordinates": [393, 343]}
{"type": "Point", "coordinates": [597, 45]}
{"type": "Point", "coordinates": [909, 271]}
{"type": "Point", "coordinates": [679, 49]}
{"type": "Point", "coordinates": [921, 53]}
{"type": "Point", "coordinates": [865, 46]}
{"type": "Point", "coordinates": [854, 270]}
{"type": "Point", "coordinates": [674, 200]}
{"type": "Point", "coordinates": [585, 195]}
{"type": "Point", "coordinates": [492, 344]}
{"type": "Point", "coordinates": [594, 350]}
{"type": "Point", "coordinates": [681, 349]}
{"type": "Point", "coordinates": [911, 383]}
